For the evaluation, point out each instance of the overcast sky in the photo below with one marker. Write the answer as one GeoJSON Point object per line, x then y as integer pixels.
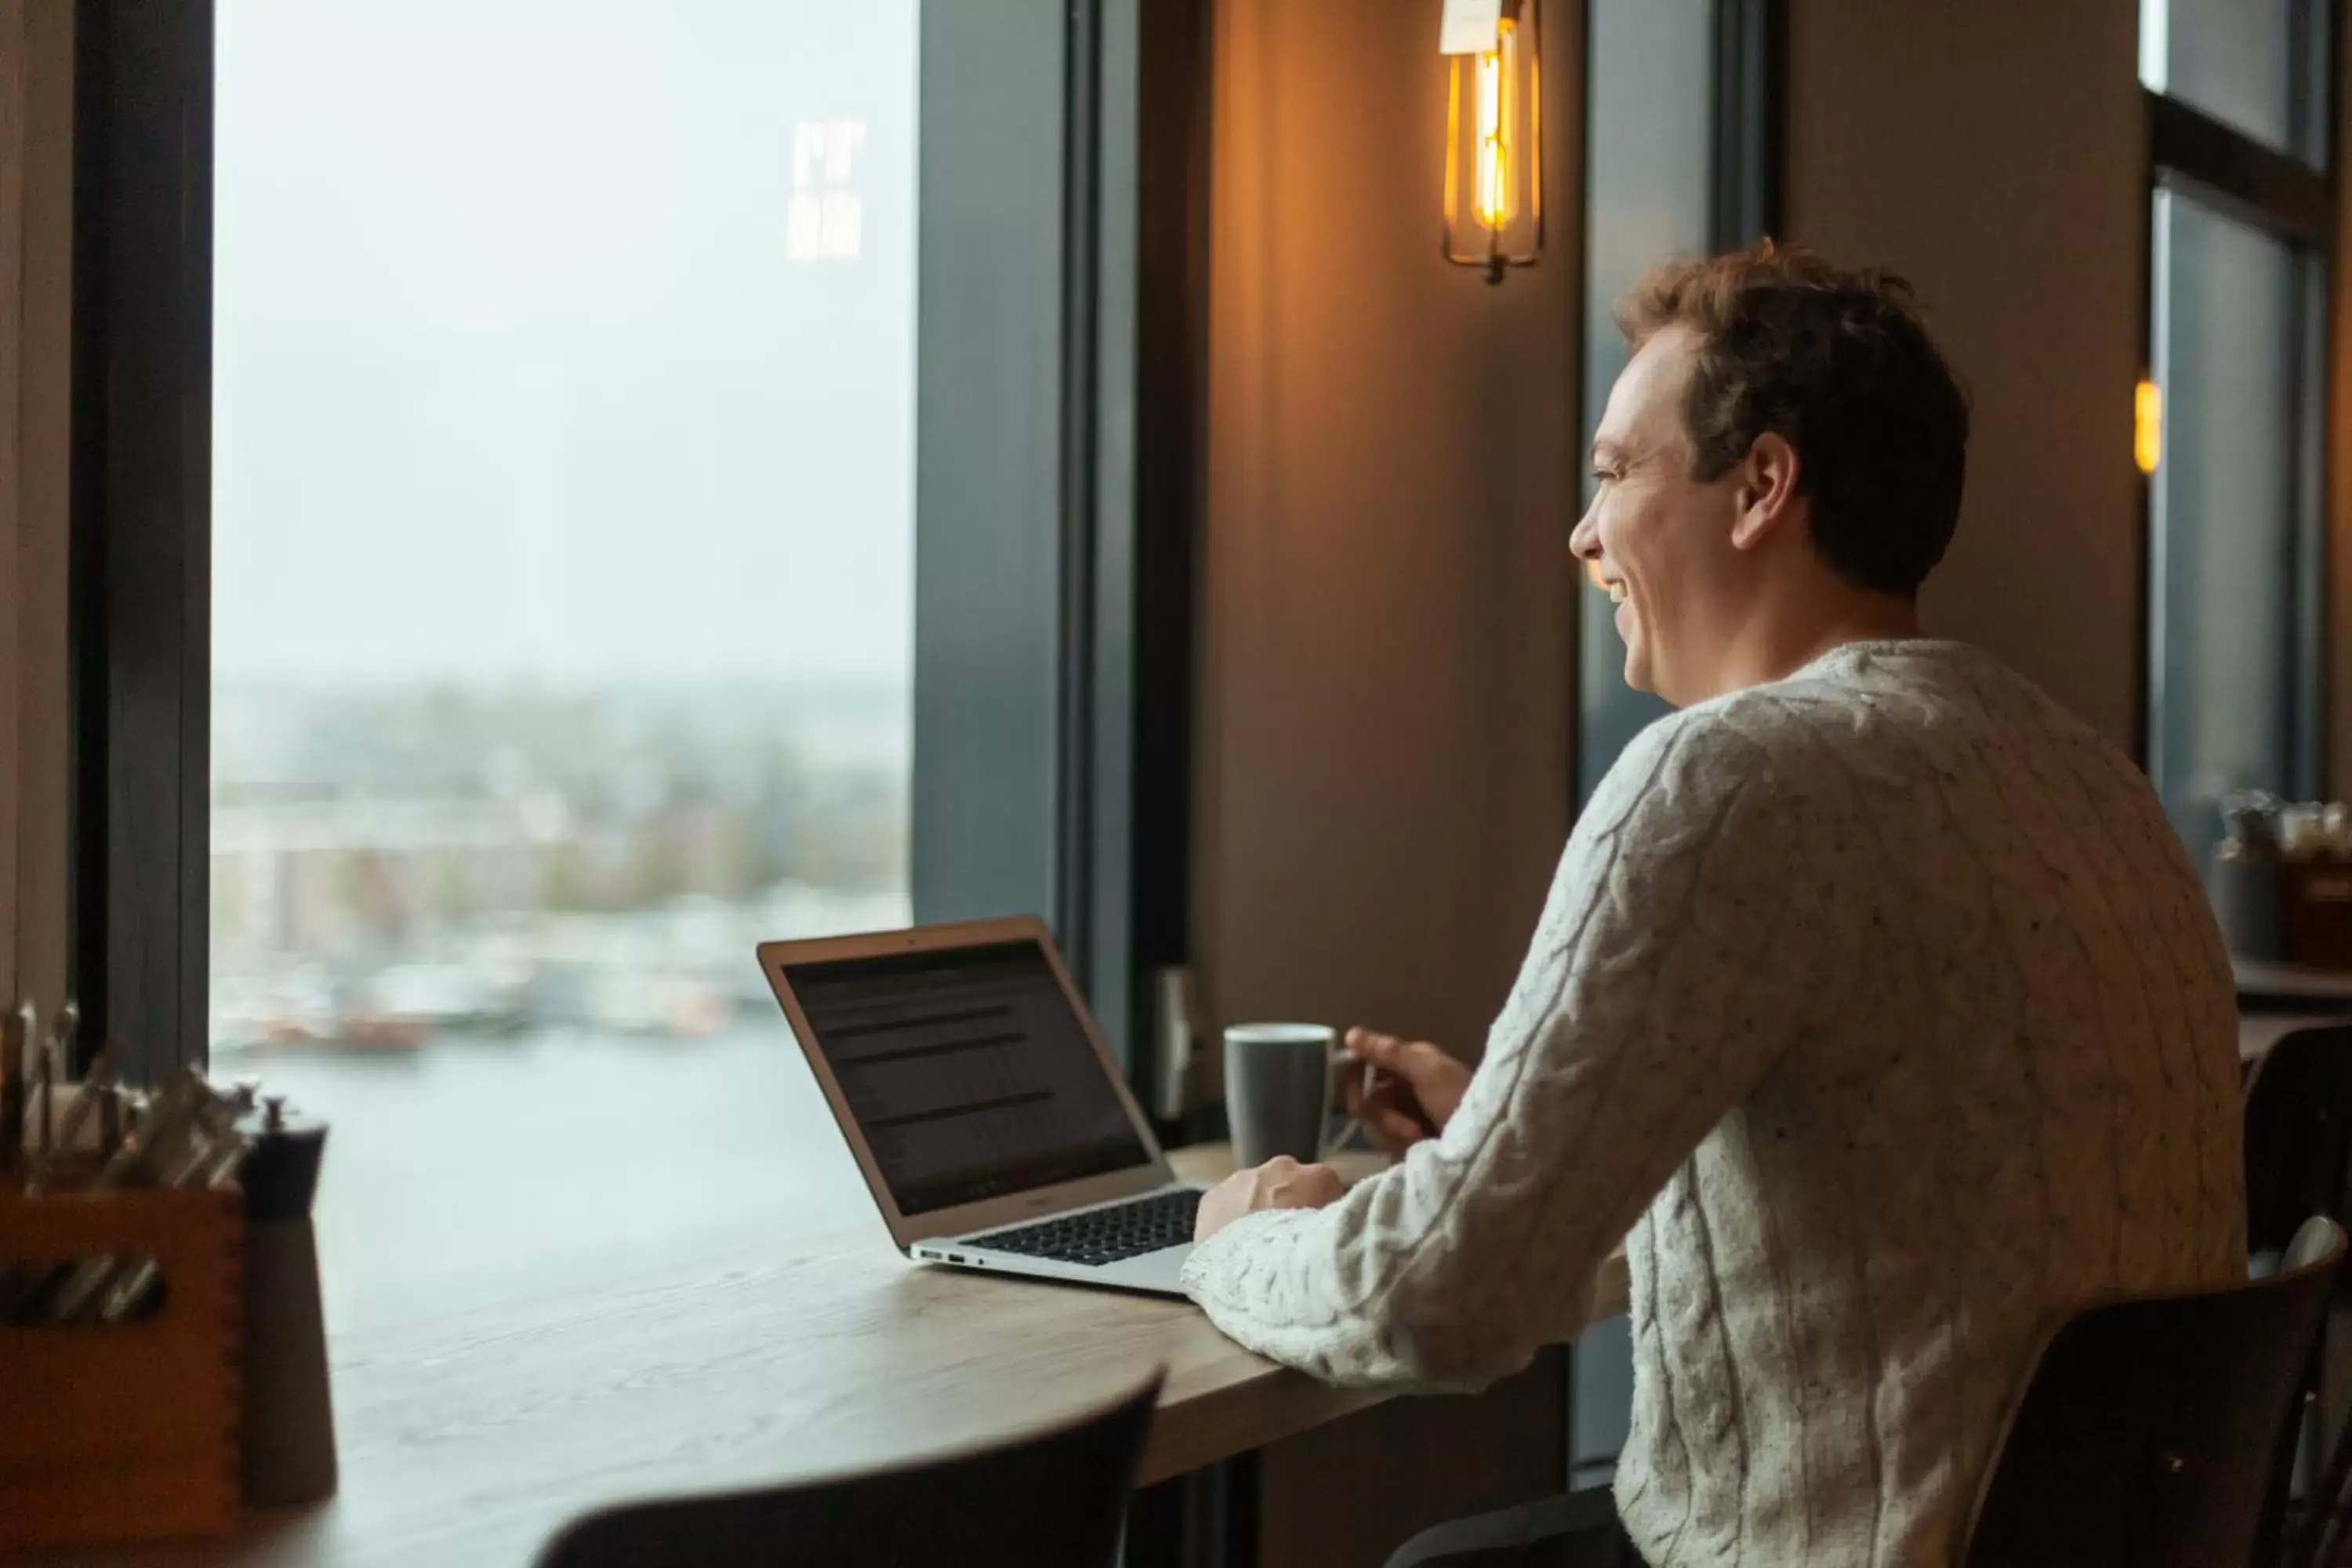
{"type": "Point", "coordinates": [512, 376]}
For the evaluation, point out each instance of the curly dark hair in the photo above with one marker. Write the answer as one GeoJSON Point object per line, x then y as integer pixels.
{"type": "Point", "coordinates": [1840, 365]}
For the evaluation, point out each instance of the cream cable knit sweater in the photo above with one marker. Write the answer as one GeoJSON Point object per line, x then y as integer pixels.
{"type": "Point", "coordinates": [1881, 1006]}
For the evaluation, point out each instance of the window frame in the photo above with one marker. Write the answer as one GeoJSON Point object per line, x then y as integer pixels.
{"type": "Point", "coordinates": [1051, 700]}
{"type": "Point", "coordinates": [2280, 195]}
{"type": "Point", "coordinates": [139, 609]}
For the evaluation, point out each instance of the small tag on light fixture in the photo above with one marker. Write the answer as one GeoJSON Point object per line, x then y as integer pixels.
{"type": "Point", "coordinates": [1470, 27]}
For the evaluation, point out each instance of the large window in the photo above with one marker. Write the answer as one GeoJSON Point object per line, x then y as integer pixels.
{"type": "Point", "coordinates": [2239, 222]}
{"type": "Point", "coordinates": [566, 491]}
{"type": "Point", "coordinates": [563, 529]}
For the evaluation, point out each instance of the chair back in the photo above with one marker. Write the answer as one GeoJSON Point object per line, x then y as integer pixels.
{"type": "Point", "coordinates": [2152, 1430]}
{"type": "Point", "coordinates": [1053, 1500]}
{"type": "Point", "coordinates": [2298, 1134]}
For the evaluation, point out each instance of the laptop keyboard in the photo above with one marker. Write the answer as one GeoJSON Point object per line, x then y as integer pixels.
{"type": "Point", "coordinates": [1100, 1236]}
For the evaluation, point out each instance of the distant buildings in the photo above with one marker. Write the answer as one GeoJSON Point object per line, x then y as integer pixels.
{"type": "Point", "coordinates": [390, 865]}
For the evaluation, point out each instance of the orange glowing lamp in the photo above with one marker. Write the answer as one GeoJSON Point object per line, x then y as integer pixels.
{"type": "Point", "coordinates": [2148, 426]}
{"type": "Point", "coordinates": [1493, 151]}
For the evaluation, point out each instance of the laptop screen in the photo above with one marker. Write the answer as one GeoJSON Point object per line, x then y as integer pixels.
{"type": "Point", "coordinates": [968, 1070]}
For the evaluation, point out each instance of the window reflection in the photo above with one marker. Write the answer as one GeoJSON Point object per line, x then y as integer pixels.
{"type": "Point", "coordinates": [2222, 681]}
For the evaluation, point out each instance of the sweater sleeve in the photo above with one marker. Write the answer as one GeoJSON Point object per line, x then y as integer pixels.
{"type": "Point", "coordinates": [1645, 1010]}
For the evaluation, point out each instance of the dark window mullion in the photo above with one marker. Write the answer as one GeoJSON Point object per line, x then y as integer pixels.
{"type": "Point", "coordinates": [2229, 170]}
{"type": "Point", "coordinates": [2307, 571]}
{"type": "Point", "coordinates": [1749, 65]}
{"type": "Point", "coordinates": [1073, 844]}
{"type": "Point", "coordinates": [1153, 309]}
{"type": "Point", "coordinates": [142, 510]}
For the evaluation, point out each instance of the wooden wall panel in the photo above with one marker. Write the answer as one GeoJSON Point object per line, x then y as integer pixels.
{"type": "Point", "coordinates": [1382, 769]}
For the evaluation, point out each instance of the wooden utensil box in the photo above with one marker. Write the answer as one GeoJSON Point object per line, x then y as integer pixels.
{"type": "Point", "coordinates": [118, 1432]}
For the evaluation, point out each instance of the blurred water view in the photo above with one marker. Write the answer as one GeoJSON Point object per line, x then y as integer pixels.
{"type": "Point", "coordinates": [564, 358]}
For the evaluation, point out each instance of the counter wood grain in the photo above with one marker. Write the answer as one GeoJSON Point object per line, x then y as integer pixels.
{"type": "Point", "coordinates": [468, 1440]}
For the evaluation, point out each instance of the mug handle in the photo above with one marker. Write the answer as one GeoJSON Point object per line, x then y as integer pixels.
{"type": "Point", "coordinates": [1355, 1124]}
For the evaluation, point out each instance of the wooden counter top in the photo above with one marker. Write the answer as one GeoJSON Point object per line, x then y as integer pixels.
{"type": "Point", "coordinates": [467, 1441]}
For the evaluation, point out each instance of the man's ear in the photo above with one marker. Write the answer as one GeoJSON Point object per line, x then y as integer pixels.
{"type": "Point", "coordinates": [1766, 495]}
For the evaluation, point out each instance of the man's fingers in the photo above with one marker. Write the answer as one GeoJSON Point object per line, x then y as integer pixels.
{"type": "Point", "coordinates": [1392, 1129]}
{"type": "Point", "coordinates": [1408, 1059]}
{"type": "Point", "coordinates": [1282, 1182]}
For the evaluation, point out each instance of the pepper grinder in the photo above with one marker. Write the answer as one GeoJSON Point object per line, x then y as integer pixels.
{"type": "Point", "coordinates": [289, 1420]}
{"type": "Point", "coordinates": [2243, 884]}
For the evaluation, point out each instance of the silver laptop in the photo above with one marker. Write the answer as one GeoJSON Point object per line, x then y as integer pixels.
{"type": "Point", "coordinates": [989, 1121]}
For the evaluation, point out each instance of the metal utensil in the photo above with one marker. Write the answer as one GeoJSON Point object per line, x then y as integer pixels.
{"type": "Point", "coordinates": [12, 1034]}
{"type": "Point", "coordinates": [93, 1086]}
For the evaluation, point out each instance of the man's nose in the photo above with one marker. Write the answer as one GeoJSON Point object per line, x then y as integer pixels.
{"type": "Point", "coordinates": [1584, 543]}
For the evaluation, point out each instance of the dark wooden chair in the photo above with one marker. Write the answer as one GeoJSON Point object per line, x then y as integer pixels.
{"type": "Point", "coordinates": [2153, 1431]}
{"type": "Point", "coordinates": [2298, 1135]}
{"type": "Point", "coordinates": [1054, 1500]}
{"type": "Point", "coordinates": [2298, 1160]}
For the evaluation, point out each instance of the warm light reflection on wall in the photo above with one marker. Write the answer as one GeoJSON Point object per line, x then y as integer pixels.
{"type": "Point", "coordinates": [2148, 426]}
{"type": "Point", "coordinates": [825, 220]}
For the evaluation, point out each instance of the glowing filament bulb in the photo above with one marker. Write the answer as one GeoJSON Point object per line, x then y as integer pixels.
{"type": "Point", "coordinates": [1493, 204]}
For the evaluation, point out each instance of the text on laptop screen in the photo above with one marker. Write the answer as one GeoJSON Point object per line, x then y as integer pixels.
{"type": "Point", "coordinates": [967, 1071]}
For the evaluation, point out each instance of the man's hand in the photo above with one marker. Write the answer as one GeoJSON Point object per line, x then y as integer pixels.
{"type": "Point", "coordinates": [1282, 1182]}
{"type": "Point", "coordinates": [1418, 1088]}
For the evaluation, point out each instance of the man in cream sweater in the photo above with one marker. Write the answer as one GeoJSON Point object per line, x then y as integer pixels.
{"type": "Point", "coordinates": [1876, 1007]}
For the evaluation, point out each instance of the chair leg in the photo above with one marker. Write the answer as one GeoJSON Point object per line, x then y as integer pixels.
{"type": "Point", "coordinates": [2320, 1541]}
{"type": "Point", "coordinates": [2328, 1539]}
{"type": "Point", "coordinates": [2322, 1536]}
{"type": "Point", "coordinates": [2285, 1533]}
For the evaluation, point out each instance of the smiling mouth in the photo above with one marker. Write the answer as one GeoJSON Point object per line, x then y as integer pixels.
{"type": "Point", "coordinates": [1603, 581]}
